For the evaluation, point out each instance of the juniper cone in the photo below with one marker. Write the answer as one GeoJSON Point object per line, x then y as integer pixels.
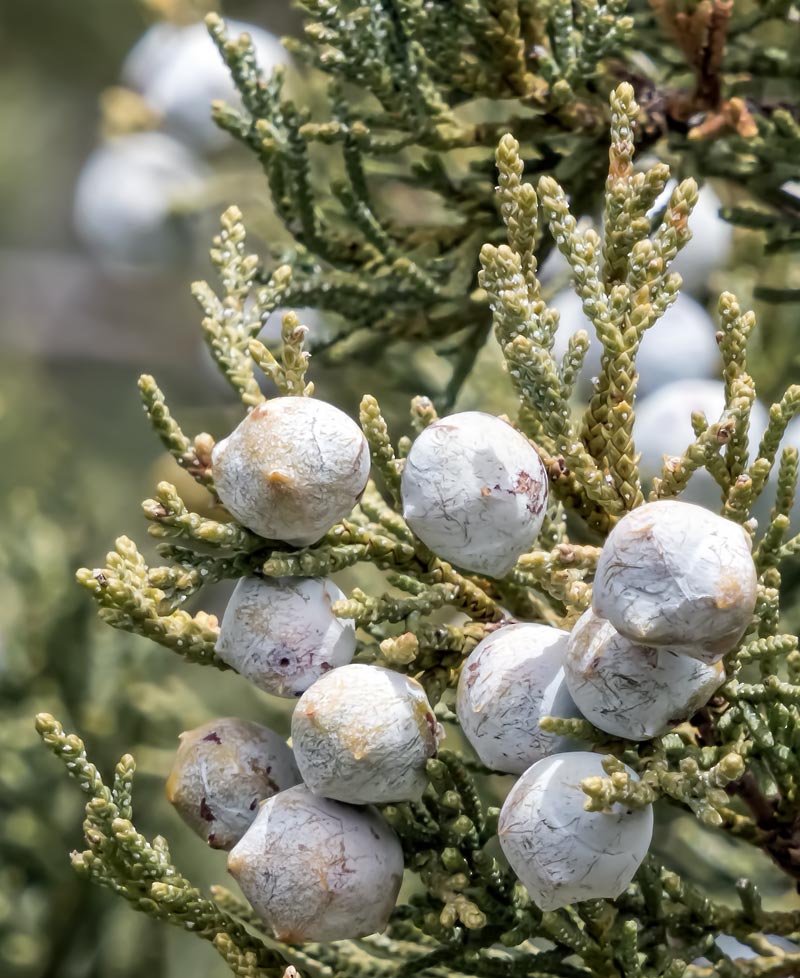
{"type": "Point", "coordinates": [223, 770]}
{"type": "Point", "coordinates": [174, 68]}
{"type": "Point", "coordinates": [466, 142]}
{"type": "Point", "coordinates": [631, 690]}
{"type": "Point", "coordinates": [282, 634]}
{"type": "Point", "coordinates": [513, 679]}
{"type": "Point", "coordinates": [291, 469]}
{"type": "Point", "coordinates": [475, 491]}
{"type": "Point", "coordinates": [340, 878]}
{"type": "Point", "coordinates": [671, 574]}
{"type": "Point", "coordinates": [135, 227]}
{"type": "Point", "coordinates": [363, 734]}
{"type": "Point", "coordinates": [562, 853]}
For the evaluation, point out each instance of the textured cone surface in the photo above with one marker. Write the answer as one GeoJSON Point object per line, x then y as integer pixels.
{"type": "Point", "coordinates": [317, 870]}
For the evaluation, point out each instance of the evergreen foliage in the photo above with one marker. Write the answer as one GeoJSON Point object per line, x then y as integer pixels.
{"type": "Point", "coordinates": [418, 95]}
{"type": "Point", "coordinates": [460, 105]}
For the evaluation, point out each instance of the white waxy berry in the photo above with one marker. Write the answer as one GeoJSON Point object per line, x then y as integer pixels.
{"type": "Point", "coordinates": [270, 334]}
{"type": "Point", "coordinates": [672, 573]}
{"type": "Point", "coordinates": [363, 734]}
{"type": "Point", "coordinates": [680, 345]}
{"type": "Point", "coordinates": [125, 198]}
{"type": "Point", "coordinates": [317, 870]}
{"type": "Point", "coordinates": [631, 690]}
{"type": "Point", "coordinates": [512, 679]}
{"type": "Point", "coordinates": [222, 771]}
{"type": "Point", "coordinates": [292, 468]}
{"type": "Point", "coordinates": [282, 634]}
{"type": "Point", "coordinates": [180, 73]}
{"type": "Point", "coordinates": [151, 53]}
{"type": "Point", "coordinates": [475, 491]}
{"type": "Point", "coordinates": [697, 262]}
{"type": "Point", "coordinates": [560, 852]}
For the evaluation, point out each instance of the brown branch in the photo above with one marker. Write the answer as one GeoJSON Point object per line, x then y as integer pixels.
{"type": "Point", "coordinates": [701, 35]}
{"type": "Point", "coordinates": [781, 840]}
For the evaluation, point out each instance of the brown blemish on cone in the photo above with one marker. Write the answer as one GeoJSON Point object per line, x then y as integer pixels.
{"type": "Point", "coordinates": [528, 486]}
{"type": "Point", "coordinates": [171, 789]}
{"type": "Point", "coordinates": [730, 592]}
{"type": "Point", "coordinates": [279, 480]}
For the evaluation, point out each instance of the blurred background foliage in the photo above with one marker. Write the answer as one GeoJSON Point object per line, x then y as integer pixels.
{"type": "Point", "coordinates": [78, 458]}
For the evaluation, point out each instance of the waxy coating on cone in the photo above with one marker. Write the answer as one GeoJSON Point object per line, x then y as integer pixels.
{"type": "Point", "coordinates": [684, 327]}
{"type": "Point", "coordinates": [512, 679]}
{"type": "Point", "coordinates": [281, 633]}
{"type": "Point", "coordinates": [631, 690]}
{"type": "Point", "coordinates": [475, 491]}
{"type": "Point", "coordinates": [222, 771]}
{"type": "Point", "coordinates": [560, 852]}
{"type": "Point", "coordinates": [125, 197]}
{"type": "Point", "coordinates": [663, 426]}
{"type": "Point", "coordinates": [291, 469]}
{"type": "Point", "coordinates": [363, 734]}
{"type": "Point", "coordinates": [318, 870]}
{"type": "Point", "coordinates": [179, 72]}
{"type": "Point", "coordinates": [674, 574]}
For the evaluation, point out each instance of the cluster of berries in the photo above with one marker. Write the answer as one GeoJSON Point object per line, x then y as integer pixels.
{"type": "Point", "coordinates": [674, 591]}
